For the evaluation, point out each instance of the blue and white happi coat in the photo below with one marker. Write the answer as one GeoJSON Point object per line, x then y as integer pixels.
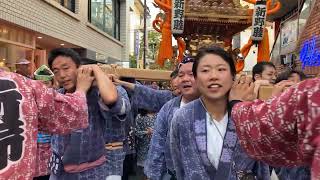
{"type": "Point", "coordinates": [159, 156]}
{"type": "Point", "coordinates": [143, 97]}
{"type": "Point", "coordinates": [188, 143]}
{"type": "Point", "coordinates": [150, 99]}
{"type": "Point", "coordinates": [87, 145]}
{"type": "Point", "coordinates": [116, 132]}
{"type": "Point", "coordinates": [296, 173]}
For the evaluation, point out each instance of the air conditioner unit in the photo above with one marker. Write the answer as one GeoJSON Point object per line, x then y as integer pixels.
{"type": "Point", "coordinates": [287, 59]}
{"type": "Point", "coordinates": [283, 59]}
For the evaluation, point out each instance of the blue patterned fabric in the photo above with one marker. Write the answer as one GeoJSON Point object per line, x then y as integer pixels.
{"type": "Point", "coordinates": [116, 122]}
{"type": "Point", "coordinates": [143, 139]}
{"type": "Point", "coordinates": [189, 149]}
{"type": "Point", "coordinates": [143, 97]}
{"type": "Point", "coordinates": [116, 132]}
{"type": "Point", "coordinates": [150, 99]}
{"type": "Point", "coordinates": [92, 174]}
{"type": "Point", "coordinates": [43, 138]}
{"type": "Point", "coordinates": [115, 159]}
{"type": "Point", "coordinates": [159, 156]}
{"type": "Point", "coordinates": [129, 143]}
{"type": "Point", "coordinates": [87, 145]}
{"type": "Point", "coordinates": [296, 173]}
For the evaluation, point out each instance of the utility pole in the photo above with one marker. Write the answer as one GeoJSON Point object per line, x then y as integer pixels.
{"type": "Point", "coordinates": [145, 34]}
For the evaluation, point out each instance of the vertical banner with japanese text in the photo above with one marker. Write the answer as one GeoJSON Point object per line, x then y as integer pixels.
{"type": "Point", "coordinates": [259, 20]}
{"type": "Point", "coordinates": [177, 22]}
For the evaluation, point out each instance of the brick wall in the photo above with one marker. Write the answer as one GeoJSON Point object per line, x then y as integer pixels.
{"type": "Point", "coordinates": [311, 29]}
{"type": "Point", "coordinates": [41, 16]}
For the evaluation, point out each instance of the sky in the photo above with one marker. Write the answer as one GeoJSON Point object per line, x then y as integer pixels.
{"type": "Point", "coordinates": [153, 10]}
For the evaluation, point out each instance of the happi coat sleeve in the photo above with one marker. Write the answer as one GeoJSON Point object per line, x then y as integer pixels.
{"type": "Point", "coordinates": [159, 156]}
{"type": "Point", "coordinates": [58, 113]}
{"type": "Point", "coordinates": [150, 99]}
{"type": "Point", "coordinates": [284, 130]}
{"type": "Point", "coordinates": [27, 106]}
{"type": "Point", "coordinates": [189, 150]}
{"type": "Point", "coordinates": [121, 107]}
{"type": "Point", "coordinates": [117, 118]}
{"type": "Point", "coordinates": [175, 147]}
{"type": "Point", "coordinates": [296, 173]}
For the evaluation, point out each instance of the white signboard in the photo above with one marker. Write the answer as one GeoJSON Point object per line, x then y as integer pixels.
{"type": "Point", "coordinates": [177, 22]}
{"type": "Point", "coordinates": [259, 20]}
{"type": "Point", "coordinates": [289, 32]}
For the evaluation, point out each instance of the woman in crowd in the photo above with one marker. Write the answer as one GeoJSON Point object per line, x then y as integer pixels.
{"type": "Point", "coordinates": [204, 144]}
{"type": "Point", "coordinates": [144, 129]}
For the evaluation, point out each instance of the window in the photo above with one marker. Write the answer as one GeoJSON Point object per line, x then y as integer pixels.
{"type": "Point", "coordinates": [105, 14]}
{"type": "Point", "coordinates": [69, 4]}
{"type": "Point", "coordinates": [304, 15]}
{"type": "Point", "coordinates": [276, 49]}
{"type": "Point", "coordinates": [289, 33]}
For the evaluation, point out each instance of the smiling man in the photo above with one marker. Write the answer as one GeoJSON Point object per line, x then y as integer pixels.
{"type": "Point", "coordinates": [159, 163]}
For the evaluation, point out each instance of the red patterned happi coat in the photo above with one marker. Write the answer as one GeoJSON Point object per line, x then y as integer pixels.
{"type": "Point", "coordinates": [285, 130]}
{"type": "Point", "coordinates": [42, 159]}
{"type": "Point", "coordinates": [26, 105]}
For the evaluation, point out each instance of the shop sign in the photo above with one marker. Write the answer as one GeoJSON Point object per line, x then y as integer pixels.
{"type": "Point", "coordinates": [259, 20]}
{"type": "Point", "coordinates": [289, 32]}
{"type": "Point", "coordinates": [177, 22]}
{"type": "Point", "coordinates": [310, 53]}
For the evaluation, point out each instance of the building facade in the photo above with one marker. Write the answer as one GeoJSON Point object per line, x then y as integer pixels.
{"type": "Point", "coordinates": [97, 29]}
{"type": "Point", "coordinates": [136, 28]}
{"type": "Point", "coordinates": [293, 28]}
{"type": "Point", "coordinates": [309, 41]}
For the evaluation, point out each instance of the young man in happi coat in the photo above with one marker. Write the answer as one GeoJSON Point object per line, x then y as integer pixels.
{"type": "Point", "coordinates": [159, 163]}
{"type": "Point", "coordinates": [81, 154]}
{"type": "Point", "coordinates": [27, 107]}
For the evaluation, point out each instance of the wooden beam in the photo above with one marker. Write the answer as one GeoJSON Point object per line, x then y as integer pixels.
{"type": "Point", "coordinates": [265, 92]}
{"type": "Point", "coordinates": [139, 74]}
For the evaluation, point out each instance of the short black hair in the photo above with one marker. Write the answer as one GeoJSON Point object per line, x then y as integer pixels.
{"type": "Point", "coordinates": [286, 74]}
{"type": "Point", "coordinates": [174, 74]}
{"type": "Point", "coordinates": [300, 73]}
{"type": "Point", "coordinates": [87, 61]}
{"type": "Point", "coordinates": [260, 67]}
{"type": "Point", "coordinates": [66, 52]}
{"type": "Point", "coordinates": [215, 50]}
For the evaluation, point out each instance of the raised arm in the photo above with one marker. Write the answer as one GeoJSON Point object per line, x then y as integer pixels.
{"type": "Point", "coordinates": [146, 98]}
{"type": "Point", "coordinates": [281, 131]}
{"type": "Point", "coordinates": [107, 89]}
{"type": "Point", "coordinates": [150, 99]}
{"type": "Point", "coordinates": [61, 114]}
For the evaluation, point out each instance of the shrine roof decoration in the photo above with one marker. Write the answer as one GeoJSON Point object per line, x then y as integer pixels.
{"type": "Point", "coordinates": [221, 17]}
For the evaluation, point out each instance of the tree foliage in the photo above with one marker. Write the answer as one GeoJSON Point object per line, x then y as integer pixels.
{"type": "Point", "coordinates": [153, 42]}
